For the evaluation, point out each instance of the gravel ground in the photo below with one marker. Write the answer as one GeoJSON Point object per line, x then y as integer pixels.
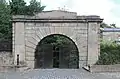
{"type": "Point", "coordinates": [58, 74]}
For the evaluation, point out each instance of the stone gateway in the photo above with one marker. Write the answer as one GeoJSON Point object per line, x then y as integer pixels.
{"type": "Point", "coordinates": [28, 31]}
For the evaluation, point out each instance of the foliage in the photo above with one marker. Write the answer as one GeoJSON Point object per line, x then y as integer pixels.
{"type": "Point", "coordinates": [104, 25]}
{"type": "Point", "coordinates": [19, 7]}
{"type": "Point", "coordinates": [109, 53]}
{"type": "Point", "coordinates": [35, 7]}
{"type": "Point", "coordinates": [5, 24]}
{"type": "Point", "coordinates": [2, 2]}
{"type": "Point", "coordinates": [57, 40]}
{"type": "Point", "coordinates": [113, 25]}
{"type": "Point", "coordinates": [15, 7]}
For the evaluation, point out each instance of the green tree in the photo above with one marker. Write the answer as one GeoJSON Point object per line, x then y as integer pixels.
{"type": "Point", "coordinates": [104, 25]}
{"type": "Point", "coordinates": [15, 7]}
{"type": "Point", "coordinates": [19, 7]}
{"type": "Point", "coordinates": [35, 7]}
{"type": "Point", "coordinates": [2, 1]}
{"type": "Point", "coordinates": [113, 25]}
{"type": "Point", "coordinates": [109, 53]}
{"type": "Point", "coordinates": [5, 25]}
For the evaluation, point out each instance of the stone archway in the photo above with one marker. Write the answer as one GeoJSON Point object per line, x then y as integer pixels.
{"type": "Point", "coordinates": [56, 51]}
{"type": "Point", "coordinates": [29, 30]}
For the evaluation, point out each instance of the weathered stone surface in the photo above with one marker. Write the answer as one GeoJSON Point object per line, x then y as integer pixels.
{"type": "Point", "coordinates": [82, 63]}
{"type": "Point", "coordinates": [31, 39]}
{"type": "Point", "coordinates": [83, 53]}
{"type": "Point", "coordinates": [82, 58]}
{"type": "Point", "coordinates": [19, 41]}
{"type": "Point", "coordinates": [19, 50]}
{"type": "Point", "coordinates": [105, 68]}
{"type": "Point", "coordinates": [111, 36]}
{"type": "Point", "coordinates": [83, 30]}
{"type": "Point", "coordinates": [93, 43]}
{"type": "Point", "coordinates": [29, 49]}
{"type": "Point", "coordinates": [30, 63]}
{"type": "Point", "coordinates": [57, 14]}
{"type": "Point", "coordinates": [6, 59]}
{"type": "Point", "coordinates": [30, 58]}
{"type": "Point", "coordinates": [30, 53]}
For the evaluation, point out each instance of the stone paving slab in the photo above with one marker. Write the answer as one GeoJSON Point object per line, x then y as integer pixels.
{"type": "Point", "coordinates": [58, 74]}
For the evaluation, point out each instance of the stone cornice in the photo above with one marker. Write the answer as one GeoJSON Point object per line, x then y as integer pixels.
{"type": "Point", "coordinates": [57, 20]}
{"type": "Point", "coordinates": [56, 16]}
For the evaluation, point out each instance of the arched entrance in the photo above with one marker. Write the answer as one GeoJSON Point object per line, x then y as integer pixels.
{"type": "Point", "coordinates": [29, 30]}
{"type": "Point", "coordinates": [56, 51]}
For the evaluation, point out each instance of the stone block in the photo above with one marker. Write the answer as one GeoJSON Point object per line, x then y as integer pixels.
{"type": "Point", "coordinates": [30, 49]}
{"type": "Point", "coordinates": [31, 44]}
{"type": "Point", "coordinates": [19, 49]}
{"type": "Point", "coordinates": [30, 53]}
{"type": "Point", "coordinates": [105, 68]}
{"type": "Point", "coordinates": [83, 53]}
{"type": "Point", "coordinates": [82, 58]}
{"type": "Point", "coordinates": [32, 40]}
{"type": "Point", "coordinates": [30, 58]}
{"type": "Point", "coordinates": [19, 39]}
{"type": "Point", "coordinates": [93, 43]}
{"type": "Point", "coordinates": [82, 64]}
{"type": "Point", "coordinates": [29, 31]}
{"type": "Point", "coordinates": [30, 64]}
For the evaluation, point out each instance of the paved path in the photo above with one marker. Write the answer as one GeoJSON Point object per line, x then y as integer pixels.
{"type": "Point", "coordinates": [58, 74]}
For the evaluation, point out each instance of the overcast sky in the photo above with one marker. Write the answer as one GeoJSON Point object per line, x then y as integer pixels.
{"type": "Point", "coordinates": [107, 9]}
